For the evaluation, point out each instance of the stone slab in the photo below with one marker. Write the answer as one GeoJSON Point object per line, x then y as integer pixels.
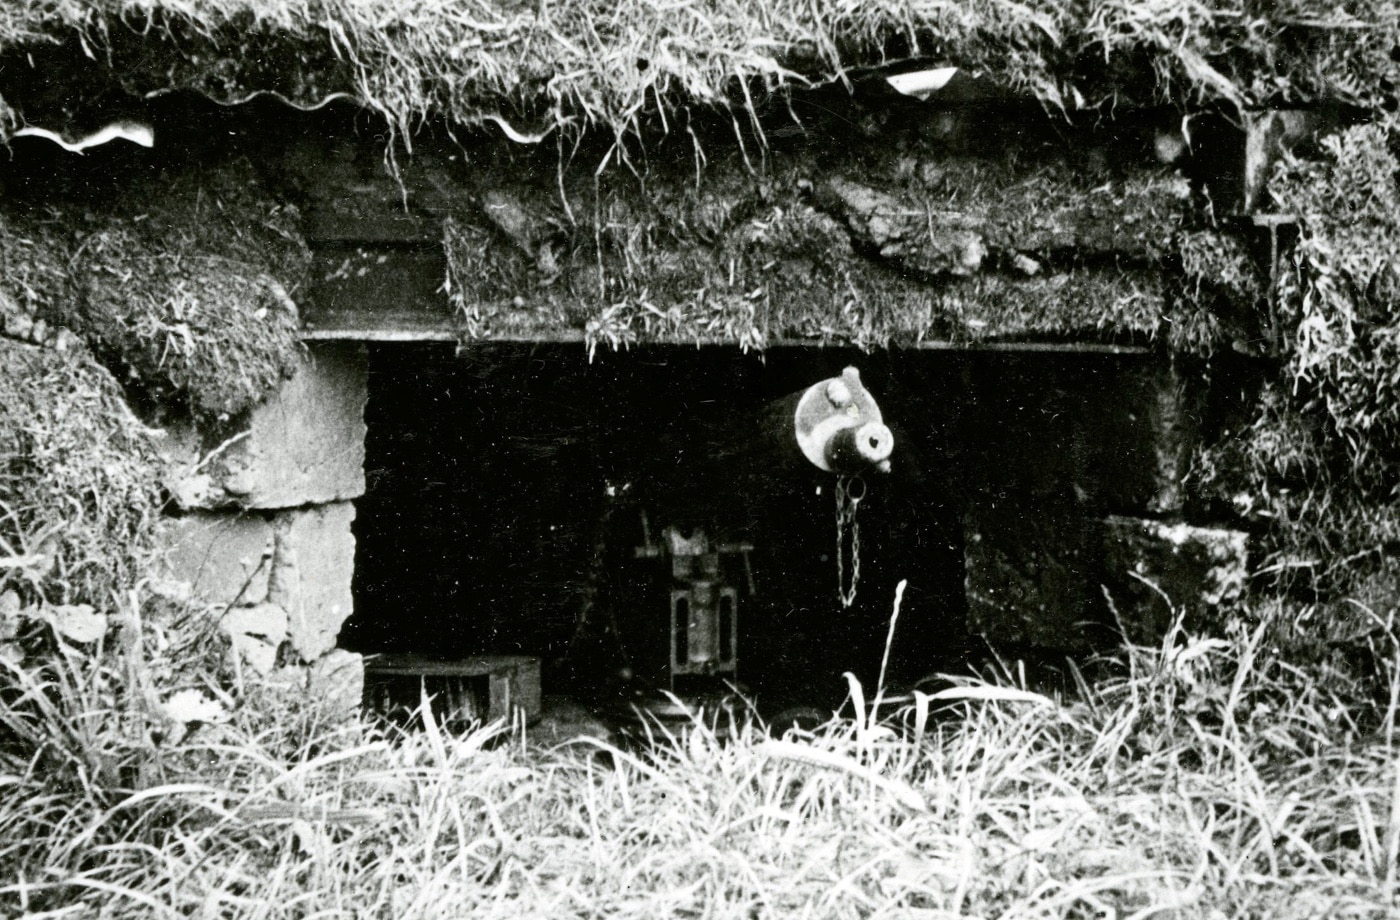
{"type": "Point", "coordinates": [1155, 570]}
{"type": "Point", "coordinates": [303, 446]}
{"type": "Point", "coordinates": [226, 558]}
{"type": "Point", "coordinates": [306, 443]}
{"type": "Point", "coordinates": [313, 566]}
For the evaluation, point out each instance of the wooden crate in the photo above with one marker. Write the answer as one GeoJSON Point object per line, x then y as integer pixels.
{"type": "Point", "coordinates": [481, 688]}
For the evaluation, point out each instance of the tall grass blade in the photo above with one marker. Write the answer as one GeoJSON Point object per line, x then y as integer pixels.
{"type": "Point", "coordinates": [902, 792]}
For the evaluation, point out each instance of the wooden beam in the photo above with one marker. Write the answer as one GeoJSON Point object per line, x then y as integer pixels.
{"type": "Point", "coordinates": [357, 292]}
{"type": "Point", "coordinates": [383, 293]}
{"type": "Point", "coordinates": [452, 333]}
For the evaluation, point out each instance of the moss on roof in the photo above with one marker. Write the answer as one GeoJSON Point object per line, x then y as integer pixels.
{"type": "Point", "coordinates": [900, 248]}
{"type": "Point", "coordinates": [183, 282]}
{"type": "Point", "coordinates": [874, 261]}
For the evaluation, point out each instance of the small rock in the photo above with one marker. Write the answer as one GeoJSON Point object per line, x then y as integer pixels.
{"type": "Point", "coordinates": [173, 590]}
{"type": "Point", "coordinates": [546, 262]}
{"type": "Point", "coordinates": [1169, 146]}
{"type": "Point", "coordinates": [931, 173]}
{"type": "Point", "coordinates": [239, 482]}
{"type": "Point", "coordinates": [1025, 264]}
{"type": "Point", "coordinates": [256, 633]}
{"type": "Point", "coordinates": [77, 622]}
{"type": "Point", "coordinates": [18, 325]}
{"type": "Point", "coordinates": [192, 706]}
{"type": "Point", "coordinates": [195, 491]}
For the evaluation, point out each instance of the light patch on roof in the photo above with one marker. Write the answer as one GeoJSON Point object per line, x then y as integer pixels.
{"type": "Point", "coordinates": [510, 132]}
{"type": "Point", "coordinates": [921, 83]}
{"type": "Point", "coordinates": [133, 131]}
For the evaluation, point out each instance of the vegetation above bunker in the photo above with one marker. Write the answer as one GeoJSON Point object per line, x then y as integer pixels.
{"type": "Point", "coordinates": [535, 72]}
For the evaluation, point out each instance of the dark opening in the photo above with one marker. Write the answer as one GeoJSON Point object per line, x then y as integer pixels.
{"type": "Point", "coordinates": [680, 624]}
{"type": "Point", "coordinates": [509, 487]}
{"type": "Point", "coordinates": [726, 629]}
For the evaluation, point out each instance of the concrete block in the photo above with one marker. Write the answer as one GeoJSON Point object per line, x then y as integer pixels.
{"type": "Point", "coordinates": [306, 443]}
{"type": "Point", "coordinates": [225, 557]}
{"type": "Point", "coordinates": [303, 446]}
{"type": "Point", "coordinates": [1152, 569]}
{"type": "Point", "coordinates": [313, 563]}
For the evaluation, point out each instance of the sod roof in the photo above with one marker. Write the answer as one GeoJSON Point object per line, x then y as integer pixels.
{"type": "Point", "coordinates": [534, 68]}
{"type": "Point", "coordinates": [639, 68]}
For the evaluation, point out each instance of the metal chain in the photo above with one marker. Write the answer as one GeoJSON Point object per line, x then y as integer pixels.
{"type": "Point", "coordinates": [849, 492]}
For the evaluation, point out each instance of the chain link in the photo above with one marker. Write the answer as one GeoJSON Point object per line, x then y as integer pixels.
{"type": "Point", "coordinates": [849, 492]}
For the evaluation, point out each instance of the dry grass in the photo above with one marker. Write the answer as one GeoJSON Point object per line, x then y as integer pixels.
{"type": "Point", "coordinates": [1206, 779]}
{"type": "Point", "coordinates": [536, 68]}
{"type": "Point", "coordinates": [78, 474]}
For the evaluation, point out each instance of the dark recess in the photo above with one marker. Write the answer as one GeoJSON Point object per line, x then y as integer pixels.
{"type": "Point", "coordinates": [487, 526]}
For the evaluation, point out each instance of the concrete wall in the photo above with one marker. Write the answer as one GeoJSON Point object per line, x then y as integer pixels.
{"type": "Point", "coordinates": [263, 533]}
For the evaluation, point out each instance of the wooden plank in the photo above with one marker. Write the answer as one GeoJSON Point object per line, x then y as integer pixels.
{"type": "Point", "coordinates": [353, 327]}
{"type": "Point", "coordinates": [1067, 348]}
{"type": "Point", "coordinates": [342, 332]}
{"type": "Point", "coordinates": [376, 288]}
{"type": "Point", "coordinates": [427, 666]}
{"type": "Point", "coordinates": [511, 685]}
{"type": "Point", "coordinates": [329, 222]}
